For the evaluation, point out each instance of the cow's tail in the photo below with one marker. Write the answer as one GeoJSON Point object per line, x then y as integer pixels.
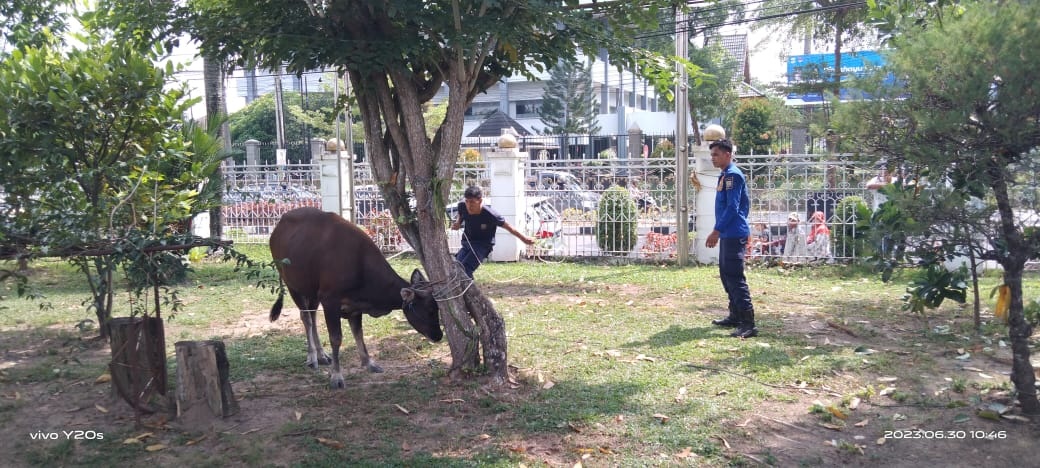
{"type": "Point", "coordinates": [276, 310]}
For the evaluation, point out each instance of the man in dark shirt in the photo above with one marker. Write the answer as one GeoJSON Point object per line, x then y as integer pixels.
{"type": "Point", "coordinates": [731, 232]}
{"type": "Point", "coordinates": [481, 222]}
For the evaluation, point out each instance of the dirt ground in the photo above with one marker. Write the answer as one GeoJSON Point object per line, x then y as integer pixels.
{"type": "Point", "coordinates": [952, 431]}
{"type": "Point", "coordinates": [781, 432]}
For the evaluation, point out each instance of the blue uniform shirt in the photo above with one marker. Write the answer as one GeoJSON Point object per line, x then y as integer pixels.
{"type": "Point", "coordinates": [732, 204]}
{"type": "Point", "coordinates": [480, 228]}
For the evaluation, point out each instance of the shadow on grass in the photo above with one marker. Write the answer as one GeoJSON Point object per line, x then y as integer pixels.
{"type": "Point", "coordinates": [408, 416]}
{"type": "Point", "coordinates": [675, 335]}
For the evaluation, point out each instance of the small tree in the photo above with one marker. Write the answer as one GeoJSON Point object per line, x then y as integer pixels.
{"type": "Point", "coordinates": [568, 104]}
{"type": "Point", "coordinates": [752, 131]}
{"type": "Point", "coordinates": [616, 221]}
{"type": "Point", "coordinates": [98, 164]}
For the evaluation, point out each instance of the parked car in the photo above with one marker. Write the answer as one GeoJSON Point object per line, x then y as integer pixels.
{"type": "Point", "coordinates": [563, 190]}
{"type": "Point", "coordinates": [540, 219]}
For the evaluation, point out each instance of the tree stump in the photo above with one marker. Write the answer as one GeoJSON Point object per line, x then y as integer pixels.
{"type": "Point", "coordinates": [203, 386]}
{"type": "Point", "coordinates": [138, 366]}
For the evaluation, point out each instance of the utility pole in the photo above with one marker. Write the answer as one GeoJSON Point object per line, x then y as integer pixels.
{"type": "Point", "coordinates": [349, 151]}
{"type": "Point", "coordinates": [682, 148]}
{"type": "Point", "coordinates": [279, 116]}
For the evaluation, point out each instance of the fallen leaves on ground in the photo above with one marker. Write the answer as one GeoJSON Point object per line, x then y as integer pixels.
{"type": "Point", "coordinates": [329, 443]}
{"type": "Point", "coordinates": [685, 453]}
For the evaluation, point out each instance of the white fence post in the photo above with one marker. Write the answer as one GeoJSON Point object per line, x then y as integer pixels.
{"type": "Point", "coordinates": [707, 176]}
{"type": "Point", "coordinates": [252, 152]}
{"type": "Point", "coordinates": [507, 196]}
{"type": "Point", "coordinates": [332, 168]}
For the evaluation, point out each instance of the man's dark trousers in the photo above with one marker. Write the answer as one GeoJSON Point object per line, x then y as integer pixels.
{"type": "Point", "coordinates": [472, 254]}
{"type": "Point", "coordinates": [731, 269]}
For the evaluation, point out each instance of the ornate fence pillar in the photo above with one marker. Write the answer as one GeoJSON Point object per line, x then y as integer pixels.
{"type": "Point", "coordinates": [335, 180]}
{"type": "Point", "coordinates": [507, 196]}
{"type": "Point", "coordinates": [252, 152]}
{"type": "Point", "coordinates": [706, 175]}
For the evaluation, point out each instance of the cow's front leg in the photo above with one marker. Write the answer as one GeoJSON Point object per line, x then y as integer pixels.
{"type": "Point", "coordinates": [332, 315]}
{"type": "Point", "coordinates": [315, 354]}
{"type": "Point", "coordinates": [359, 340]}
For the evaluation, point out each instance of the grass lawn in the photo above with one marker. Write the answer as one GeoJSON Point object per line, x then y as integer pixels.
{"type": "Point", "coordinates": [611, 366]}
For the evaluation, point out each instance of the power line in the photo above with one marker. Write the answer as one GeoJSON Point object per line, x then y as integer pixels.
{"type": "Point", "coordinates": [754, 19]}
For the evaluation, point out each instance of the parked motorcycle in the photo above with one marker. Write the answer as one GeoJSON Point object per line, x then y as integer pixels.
{"type": "Point", "coordinates": [645, 202]}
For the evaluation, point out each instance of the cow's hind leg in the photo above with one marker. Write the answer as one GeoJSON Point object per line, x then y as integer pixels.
{"type": "Point", "coordinates": [332, 321]}
{"type": "Point", "coordinates": [308, 315]}
{"type": "Point", "coordinates": [359, 341]}
{"type": "Point", "coordinates": [316, 355]}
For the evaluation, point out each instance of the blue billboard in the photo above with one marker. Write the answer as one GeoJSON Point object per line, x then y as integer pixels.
{"type": "Point", "coordinates": [820, 68]}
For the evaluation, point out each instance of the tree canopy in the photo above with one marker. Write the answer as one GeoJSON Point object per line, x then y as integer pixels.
{"type": "Point", "coordinates": [398, 55]}
{"type": "Point", "coordinates": [31, 22]}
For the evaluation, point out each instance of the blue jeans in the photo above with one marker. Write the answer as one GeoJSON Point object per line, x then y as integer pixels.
{"type": "Point", "coordinates": [731, 269]}
{"type": "Point", "coordinates": [471, 255]}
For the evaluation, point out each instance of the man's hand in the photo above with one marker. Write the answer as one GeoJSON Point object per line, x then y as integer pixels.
{"type": "Point", "coordinates": [456, 226]}
{"type": "Point", "coordinates": [713, 240]}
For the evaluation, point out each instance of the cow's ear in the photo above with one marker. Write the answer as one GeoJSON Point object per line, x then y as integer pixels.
{"type": "Point", "coordinates": [407, 294]}
{"type": "Point", "coordinates": [417, 277]}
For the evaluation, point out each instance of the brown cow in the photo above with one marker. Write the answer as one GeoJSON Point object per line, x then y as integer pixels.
{"type": "Point", "coordinates": [324, 259]}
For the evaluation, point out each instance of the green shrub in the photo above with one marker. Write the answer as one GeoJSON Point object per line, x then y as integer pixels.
{"type": "Point", "coordinates": [616, 221]}
{"type": "Point", "coordinates": [851, 219]}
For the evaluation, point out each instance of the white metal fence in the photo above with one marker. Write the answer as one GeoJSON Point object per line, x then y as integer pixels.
{"type": "Point", "coordinates": [564, 200]}
{"type": "Point", "coordinates": [256, 197]}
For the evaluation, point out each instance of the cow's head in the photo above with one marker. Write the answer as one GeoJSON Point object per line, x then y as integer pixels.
{"type": "Point", "coordinates": [420, 308]}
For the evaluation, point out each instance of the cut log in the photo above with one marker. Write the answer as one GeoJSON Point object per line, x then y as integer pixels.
{"type": "Point", "coordinates": [138, 366]}
{"type": "Point", "coordinates": [203, 387]}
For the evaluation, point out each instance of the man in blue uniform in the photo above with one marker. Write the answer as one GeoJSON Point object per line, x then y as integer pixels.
{"type": "Point", "coordinates": [481, 222]}
{"type": "Point", "coordinates": [731, 235]}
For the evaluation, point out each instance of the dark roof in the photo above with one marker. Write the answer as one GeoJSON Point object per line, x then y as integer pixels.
{"type": "Point", "coordinates": [745, 90]}
{"type": "Point", "coordinates": [494, 123]}
{"type": "Point", "coordinates": [736, 45]}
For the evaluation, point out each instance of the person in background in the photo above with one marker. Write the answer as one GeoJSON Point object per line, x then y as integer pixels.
{"type": "Point", "coordinates": [876, 183]}
{"type": "Point", "coordinates": [794, 243]}
{"type": "Point", "coordinates": [481, 222]}
{"type": "Point", "coordinates": [731, 233]}
{"type": "Point", "coordinates": [759, 243]}
{"type": "Point", "coordinates": [818, 243]}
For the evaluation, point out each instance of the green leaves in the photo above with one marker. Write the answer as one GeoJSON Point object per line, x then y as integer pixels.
{"type": "Point", "coordinates": [934, 284]}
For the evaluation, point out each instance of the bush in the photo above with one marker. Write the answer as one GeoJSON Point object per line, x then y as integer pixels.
{"type": "Point", "coordinates": [616, 221]}
{"type": "Point", "coordinates": [851, 220]}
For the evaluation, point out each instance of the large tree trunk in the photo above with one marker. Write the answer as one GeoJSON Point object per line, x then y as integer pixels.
{"type": "Point", "coordinates": [216, 111]}
{"type": "Point", "coordinates": [401, 156]}
{"type": "Point", "coordinates": [1019, 330]}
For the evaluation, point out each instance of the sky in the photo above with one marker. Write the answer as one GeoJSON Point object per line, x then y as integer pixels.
{"type": "Point", "coordinates": [767, 65]}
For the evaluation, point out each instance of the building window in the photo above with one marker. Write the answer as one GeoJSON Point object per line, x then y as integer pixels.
{"type": "Point", "coordinates": [528, 108]}
{"type": "Point", "coordinates": [479, 110]}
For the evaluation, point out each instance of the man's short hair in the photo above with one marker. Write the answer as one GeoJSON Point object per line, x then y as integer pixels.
{"type": "Point", "coordinates": [722, 144]}
{"type": "Point", "coordinates": [473, 191]}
